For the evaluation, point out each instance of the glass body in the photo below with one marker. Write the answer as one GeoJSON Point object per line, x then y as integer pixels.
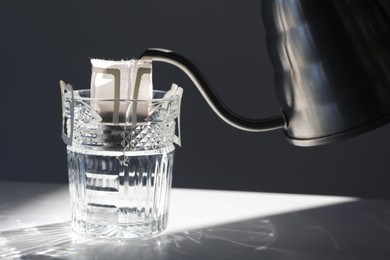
{"type": "Point", "coordinates": [120, 172]}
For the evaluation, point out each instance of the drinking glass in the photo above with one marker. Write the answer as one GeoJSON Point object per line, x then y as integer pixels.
{"type": "Point", "coordinates": [120, 171]}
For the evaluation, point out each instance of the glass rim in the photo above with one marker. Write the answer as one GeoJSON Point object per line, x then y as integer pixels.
{"type": "Point", "coordinates": [77, 97]}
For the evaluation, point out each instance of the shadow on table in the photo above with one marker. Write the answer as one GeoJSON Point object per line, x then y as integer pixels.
{"type": "Point", "coordinates": [354, 230]}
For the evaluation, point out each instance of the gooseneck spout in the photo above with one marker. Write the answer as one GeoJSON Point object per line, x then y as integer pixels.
{"type": "Point", "coordinates": [209, 94]}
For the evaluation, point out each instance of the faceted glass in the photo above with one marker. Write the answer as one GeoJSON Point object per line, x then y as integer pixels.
{"type": "Point", "coordinates": [120, 172]}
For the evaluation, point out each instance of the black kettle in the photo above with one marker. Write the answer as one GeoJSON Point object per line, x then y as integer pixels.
{"type": "Point", "coordinates": [331, 61]}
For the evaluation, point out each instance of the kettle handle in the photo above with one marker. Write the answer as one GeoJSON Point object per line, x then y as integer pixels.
{"type": "Point", "coordinates": [208, 93]}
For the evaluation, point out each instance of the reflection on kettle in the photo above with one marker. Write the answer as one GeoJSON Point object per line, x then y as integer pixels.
{"type": "Point", "coordinates": [331, 61]}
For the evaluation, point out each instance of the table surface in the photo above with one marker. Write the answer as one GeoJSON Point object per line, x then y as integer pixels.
{"type": "Point", "coordinates": [203, 224]}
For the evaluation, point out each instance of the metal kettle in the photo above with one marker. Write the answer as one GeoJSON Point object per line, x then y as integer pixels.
{"type": "Point", "coordinates": [331, 61]}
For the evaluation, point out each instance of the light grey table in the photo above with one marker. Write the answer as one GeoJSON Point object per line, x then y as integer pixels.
{"type": "Point", "coordinates": [203, 224]}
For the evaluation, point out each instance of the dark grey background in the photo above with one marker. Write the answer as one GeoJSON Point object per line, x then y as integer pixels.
{"type": "Point", "coordinates": [45, 41]}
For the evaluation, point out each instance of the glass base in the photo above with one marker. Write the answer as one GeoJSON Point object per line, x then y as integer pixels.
{"type": "Point", "coordinates": [129, 231]}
